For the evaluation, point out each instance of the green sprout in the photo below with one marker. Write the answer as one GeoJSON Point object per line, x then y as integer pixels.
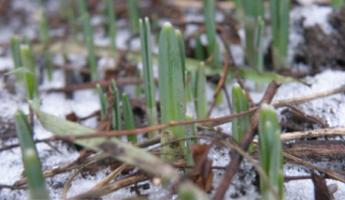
{"type": "Point", "coordinates": [116, 107]}
{"type": "Point", "coordinates": [111, 19]}
{"type": "Point", "coordinates": [149, 86]}
{"type": "Point", "coordinates": [280, 31]}
{"type": "Point", "coordinates": [103, 101]}
{"type": "Point", "coordinates": [29, 69]}
{"type": "Point", "coordinates": [210, 24]}
{"type": "Point", "coordinates": [31, 161]}
{"type": "Point", "coordinates": [128, 117]}
{"type": "Point", "coordinates": [15, 51]}
{"type": "Point", "coordinates": [88, 37]}
{"type": "Point", "coordinates": [252, 13]}
{"type": "Point", "coordinates": [240, 103]}
{"type": "Point", "coordinates": [270, 153]}
{"type": "Point", "coordinates": [199, 86]}
{"type": "Point", "coordinates": [133, 12]}
{"type": "Point", "coordinates": [44, 38]}
{"type": "Point", "coordinates": [172, 91]}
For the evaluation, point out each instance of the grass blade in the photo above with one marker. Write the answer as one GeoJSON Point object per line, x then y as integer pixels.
{"type": "Point", "coordinates": [128, 117]}
{"type": "Point", "coordinates": [270, 152]}
{"type": "Point", "coordinates": [31, 161]}
{"type": "Point", "coordinates": [149, 86]}
{"type": "Point", "coordinates": [15, 51]}
{"type": "Point", "coordinates": [30, 79]}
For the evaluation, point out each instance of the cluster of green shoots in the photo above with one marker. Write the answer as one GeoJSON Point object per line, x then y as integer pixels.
{"type": "Point", "coordinates": [176, 85]}
{"type": "Point", "coordinates": [338, 3]}
{"type": "Point", "coordinates": [252, 15]}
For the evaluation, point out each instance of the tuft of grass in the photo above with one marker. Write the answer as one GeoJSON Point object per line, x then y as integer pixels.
{"type": "Point", "coordinates": [88, 38]}
{"type": "Point", "coordinates": [240, 103]}
{"type": "Point", "coordinates": [128, 117]}
{"type": "Point", "coordinates": [103, 101]}
{"type": "Point", "coordinates": [133, 12]}
{"type": "Point", "coordinates": [111, 21]}
{"type": "Point", "coordinates": [31, 161]}
{"type": "Point", "coordinates": [116, 107]}
{"type": "Point", "coordinates": [149, 86]}
{"type": "Point", "coordinates": [280, 31]}
{"type": "Point", "coordinates": [270, 152]}
{"type": "Point", "coordinates": [210, 24]}
{"type": "Point", "coordinates": [172, 92]}
{"type": "Point", "coordinates": [252, 13]}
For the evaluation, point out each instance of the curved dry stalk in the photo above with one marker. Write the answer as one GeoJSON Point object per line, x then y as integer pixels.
{"type": "Point", "coordinates": [111, 176]}
{"type": "Point", "coordinates": [331, 174]}
{"type": "Point", "coordinates": [313, 134]}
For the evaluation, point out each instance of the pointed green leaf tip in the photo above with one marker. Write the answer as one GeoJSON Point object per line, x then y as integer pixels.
{"type": "Point", "coordinates": [240, 103]}
{"type": "Point", "coordinates": [31, 161]}
{"type": "Point", "coordinates": [270, 152]}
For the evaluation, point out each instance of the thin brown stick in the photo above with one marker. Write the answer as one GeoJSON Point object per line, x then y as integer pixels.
{"type": "Point", "coordinates": [313, 134]}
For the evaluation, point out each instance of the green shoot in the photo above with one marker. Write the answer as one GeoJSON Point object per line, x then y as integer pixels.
{"type": "Point", "coordinates": [15, 51]}
{"type": "Point", "coordinates": [103, 101]}
{"type": "Point", "coordinates": [338, 3]}
{"type": "Point", "coordinates": [213, 47]}
{"type": "Point", "coordinates": [280, 31]}
{"type": "Point", "coordinates": [29, 72]}
{"type": "Point", "coordinates": [199, 86]}
{"type": "Point", "coordinates": [31, 161]}
{"type": "Point", "coordinates": [270, 152]}
{"type": "Point", "coordinates": [199, 51]}
{"type": "Point", "coordinates": [240, 103]}
{"type": "Point", "coordinates": [145, 36]}
{"type": "Point", "coordinates": [253, 12]}
{"type": "Point", "coordinates": [111, 23]}
{"type": "Point", "coordinates": [116, 109]}
{"type": "Point", "coordinates": [44, 38]}
{"type": "Point", "coordinates": [128, 117]}
{"type": "Point", "coordinates": [172, 91]}
{"type": "Point", "coordinates": [88, 37]}
{"type": "Point", "coordinates": [133, 12]}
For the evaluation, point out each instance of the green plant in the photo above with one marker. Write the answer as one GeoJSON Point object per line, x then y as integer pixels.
{"type": "Point", "coordinates": [270, 152]}
{"type": "Point", "coordinates": [116, 107]}
{"type": "Point", "coordinates": [29, 71]}
{"type": "Point", "coordinates": [15, 51]}
{"type": "Point", "coordinates": [88, 38]}
{"type": "Point", "coordinates": [133, 12]}
{"type": "Point", "coordinates": [31, 161]}
{"type": "Point", "coordinates": [252, 13]}
{"type": "Point", "coordinates": [44, 38]}
{"type": "Point", "coordinates": [103, 101]}
{"type": "Point", "coordinates": [128, 117]}
{"type": "Point", "coordinates": [199, 88]}
{"type": "Point", "coordinates": [240, 103]}
{"type": "Point", "coordinates": [213, 47]}
{"type": "Point", "coordinates": [280, 31]}
{"type": "Point", "coordinates": [149, 86]}
{"type": "Point", "coordinates": [111, 19]}
{"type": "Point", "coordinates": [172, 92]}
